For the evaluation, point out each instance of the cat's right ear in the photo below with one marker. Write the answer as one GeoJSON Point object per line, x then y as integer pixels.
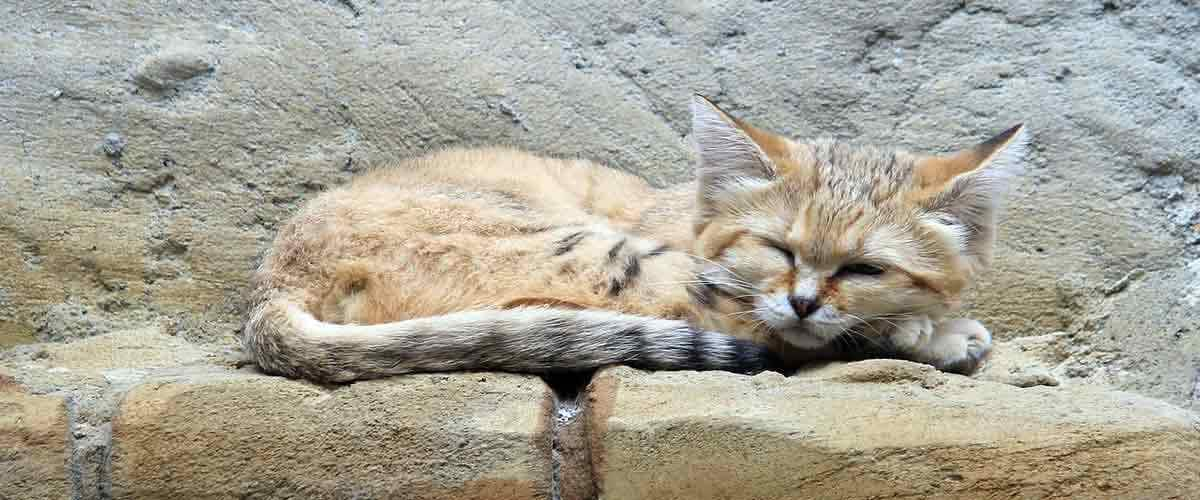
{"type": "Point", "coordinates": [729, 155]}
{"type": "Point", "coordinates": [966, 187]}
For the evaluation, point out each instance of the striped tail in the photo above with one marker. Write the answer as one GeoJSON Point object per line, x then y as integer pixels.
{"type": "Point", "coordinates": [286, 340]}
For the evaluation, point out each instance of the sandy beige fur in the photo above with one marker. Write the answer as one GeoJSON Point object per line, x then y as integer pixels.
{"type": "Point", "coordinates": [499, 259]}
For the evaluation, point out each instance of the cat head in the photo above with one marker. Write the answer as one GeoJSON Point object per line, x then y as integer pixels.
{"type": "Point", "coordinates": [805, 240]}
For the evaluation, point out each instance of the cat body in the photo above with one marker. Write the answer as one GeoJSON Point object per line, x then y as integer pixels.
{"type": "Point", "coordinates": [496, 259]}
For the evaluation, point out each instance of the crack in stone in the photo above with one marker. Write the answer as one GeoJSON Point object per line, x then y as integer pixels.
{"type": "Point", "coordinates": [74, 462]}
{"type": "Point", "coordinates": [571, 473]}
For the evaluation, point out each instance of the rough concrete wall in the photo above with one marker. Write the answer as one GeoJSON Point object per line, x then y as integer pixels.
{"type": "Point", "coordinates": [149, 148]}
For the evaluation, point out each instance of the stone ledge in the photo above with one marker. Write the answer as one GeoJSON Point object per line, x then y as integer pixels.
{"type": "Point", "coordinates": [880, 429]}
{"type": "Point", "coordinates": [872, 429]}
{"type": "Point", "coordinates": [34, 445]}
{"type": "Point", "coordinates": [477, 436]}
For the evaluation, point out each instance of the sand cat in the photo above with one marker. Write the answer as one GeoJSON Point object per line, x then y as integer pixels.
{"type": "Point", "coordinates": [493, 259]}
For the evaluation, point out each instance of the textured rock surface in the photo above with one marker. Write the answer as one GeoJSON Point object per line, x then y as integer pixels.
{"type": "Point", "coordinates": [423, 437]}
{"type": "Point", "coordinates": [148, 150]}
{"type": "Point", "coordinates": [33, 445]}
{"type": "Point", "coordinates": [881, 429]}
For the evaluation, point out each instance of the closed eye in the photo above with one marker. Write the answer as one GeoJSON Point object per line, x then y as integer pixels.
{"type": "Point", "coordinates": [861, 269]}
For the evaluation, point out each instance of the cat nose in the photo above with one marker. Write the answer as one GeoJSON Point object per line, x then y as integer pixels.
{"type": "Point", "coordinates": [804, 306]}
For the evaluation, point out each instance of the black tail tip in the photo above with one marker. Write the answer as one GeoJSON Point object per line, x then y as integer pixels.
{"type": "Point", "coordinates": [752, 358]}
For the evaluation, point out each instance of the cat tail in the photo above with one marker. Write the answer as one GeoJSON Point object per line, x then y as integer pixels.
{"type": "Point", "coordinates": [284, 339]}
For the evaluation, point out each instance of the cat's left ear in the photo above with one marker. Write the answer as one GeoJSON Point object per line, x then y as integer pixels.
{"type": "Point", "coordinates": [732, 153]}
{"type": "Point", "coordinates": [966, 188]}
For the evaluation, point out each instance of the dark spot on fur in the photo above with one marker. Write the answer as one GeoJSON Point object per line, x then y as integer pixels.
{"type": "Point", "coordinates": [751, 358]}
{"type": "Point", "coordinates": [636, 336]}
{"type": "Point", "coordinates": [568, 243]}
{"type": "Point", "coordinates": [630, 272]}
{"type": "Point", "coordinates": [699, 351]}
{"type": "Point", "coordinates": [616, 250]}
{"type": "Point", "coordinates": [534, 229]}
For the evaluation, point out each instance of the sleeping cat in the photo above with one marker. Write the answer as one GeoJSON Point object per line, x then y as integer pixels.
{"type": "Point", "coordinates": [495, 259]}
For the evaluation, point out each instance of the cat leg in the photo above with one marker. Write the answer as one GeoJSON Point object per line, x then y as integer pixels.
{"type": "Point", "coordinates": [955, 346]}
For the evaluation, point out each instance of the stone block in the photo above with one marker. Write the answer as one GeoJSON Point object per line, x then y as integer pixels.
{"type": "Point", "coordinates": [881, 429]}
{"type": "Point", "coordinates": [34, 445]}
{"type": "Point", "coordinates": [469, 436]}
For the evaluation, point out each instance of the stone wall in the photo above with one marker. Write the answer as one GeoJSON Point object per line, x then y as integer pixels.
{"type": "Point", "coordinates": [873, 429]}
{"type": "Point", "coordinates": [148, 149]}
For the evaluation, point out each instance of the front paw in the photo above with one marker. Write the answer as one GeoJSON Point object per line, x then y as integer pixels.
{"type": "Point", "coordinates": [960, 346]}
{"type": "Point", "coordinates": [912, 335]}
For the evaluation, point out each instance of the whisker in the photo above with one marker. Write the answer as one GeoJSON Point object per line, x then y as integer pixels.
{"type": "Point", "coordinates": [758, 325]}
{"type": "Point", "coordinates": [705, 259]}
{"type": "Point", "coordinates": [718, 265]}
{"type": "Point", "coordinates": [846, 341]}
{"type": "Point", "coordinates": [866, 323]}
{"type": "Point", "coordinates": [688, 282]}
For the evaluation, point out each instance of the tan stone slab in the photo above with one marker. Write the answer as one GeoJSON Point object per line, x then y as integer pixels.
{"type": "Point", "coordinates": [33, 445]}
{"type": "Point", "coordinates": [881, 429]}
{"type": "Point", "coordinates": [142, 348]}
{"type": "Point", "coordinates": [470, 436]}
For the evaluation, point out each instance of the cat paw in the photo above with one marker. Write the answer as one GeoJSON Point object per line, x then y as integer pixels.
{"type": "Point", "coordinates": [911, 334]}
{"type": "Point", "coordinates": [963, 346]}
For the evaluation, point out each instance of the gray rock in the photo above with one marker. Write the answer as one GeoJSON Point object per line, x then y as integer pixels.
{"type": "Point", "coordinates": [1149, 339]}
{"type": "Point", "coordinates": [113, 144]}
{"type": "Point", "coordinates": [171, 68]}
{"type": "Point", "coordinates": [69, 321]}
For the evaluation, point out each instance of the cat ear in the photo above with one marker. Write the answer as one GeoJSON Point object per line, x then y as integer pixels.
{"type": "Point", "coordinates": [996, 158]}
{"type": "Point", "coordinates": [965, 189]}
{"type": "Point", "coordinates": [728, 151]}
